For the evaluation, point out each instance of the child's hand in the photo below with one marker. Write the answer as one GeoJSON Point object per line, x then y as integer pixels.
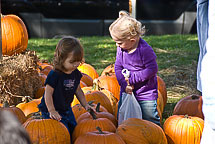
{"type": "Point", "coordinates": [129, 89]}
{"type": "Point", "coordinates": [55, 115]}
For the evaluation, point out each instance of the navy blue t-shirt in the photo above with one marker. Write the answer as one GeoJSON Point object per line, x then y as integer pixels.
{"type": "Point", "coordinates": [65, 86]}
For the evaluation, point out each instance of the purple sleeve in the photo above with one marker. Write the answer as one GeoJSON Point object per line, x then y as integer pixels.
{"type": "Point", "coordinates": [150, 64]}
{"type": "Point", "coordinates": [118, 68]}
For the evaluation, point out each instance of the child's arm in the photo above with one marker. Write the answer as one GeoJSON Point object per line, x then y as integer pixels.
{"type": "Point", "coordinates": [49, 103]}
{"type": "Point", "coordinates": [151, 68]}
{"type": "Point", "coordinates": [118, 70]}
{"type": "Point", "coordinates": [81, 97]}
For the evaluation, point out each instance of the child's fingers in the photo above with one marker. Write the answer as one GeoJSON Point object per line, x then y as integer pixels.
{"type": "Point", "coordinates": [56, 117]}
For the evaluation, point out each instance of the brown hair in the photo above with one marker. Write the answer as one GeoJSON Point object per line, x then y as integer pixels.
{"type": "Point", "coordinates": [126, 27]}
{"type": "Point", "coordinates": [65, 46]}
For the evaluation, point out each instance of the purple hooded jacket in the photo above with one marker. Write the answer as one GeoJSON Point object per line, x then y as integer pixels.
{"type": "Point", "coordinates": [143, 71]}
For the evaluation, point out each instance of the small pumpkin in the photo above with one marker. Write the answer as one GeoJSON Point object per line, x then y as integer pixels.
{"type": "Point", "coordinates": [14, 35]}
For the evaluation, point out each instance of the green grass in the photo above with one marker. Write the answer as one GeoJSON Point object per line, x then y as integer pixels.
{"type": "Point", "coordinates": [177, 57]}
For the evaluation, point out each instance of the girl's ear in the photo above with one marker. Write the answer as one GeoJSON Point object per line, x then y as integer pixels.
{"type": "Point", "coordinates": [133, 40]}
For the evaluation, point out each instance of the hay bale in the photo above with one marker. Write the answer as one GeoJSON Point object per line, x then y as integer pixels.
{"type": "Point", "coordinates": [19, 77]}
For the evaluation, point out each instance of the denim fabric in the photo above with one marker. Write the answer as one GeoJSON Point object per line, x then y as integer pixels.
{"type": "Point", "coordinates": [149, 110]}
{"type": "Point", "coordinates": [202, 31]}
{"type": "Point", "coordinates": [68, 119]}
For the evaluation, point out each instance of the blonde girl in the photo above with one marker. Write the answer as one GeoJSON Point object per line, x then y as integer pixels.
{"type": "Point", "coordinates": [135, 55]}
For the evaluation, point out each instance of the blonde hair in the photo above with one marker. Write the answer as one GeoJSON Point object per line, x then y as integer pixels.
{"type": "Point", "coordinates": [126, 27]}
{"type": "Point", "coordinates": [65, 46]}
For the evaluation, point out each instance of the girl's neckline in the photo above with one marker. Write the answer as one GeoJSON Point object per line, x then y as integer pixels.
{"type": "Point", "coordinates": [133, 50]}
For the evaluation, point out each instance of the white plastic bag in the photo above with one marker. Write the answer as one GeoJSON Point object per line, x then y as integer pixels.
{"type": "Point", "coordinates": [130, 108]}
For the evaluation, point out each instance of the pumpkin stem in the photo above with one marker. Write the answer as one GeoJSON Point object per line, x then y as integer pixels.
{"type": "Point", "coordinates": [6, 104]}
{"type": "Point", "coordinates": [194, 97]}
{"type": "Point", "coordinates": [108, 74]}
{"type": "Point", "coordinates": [37, 115]}
{"type": "Point", "coordinates": [96, 86]}
{"type": "Point", "coordinates": [27, 99]}
{"type": "Point", "coordinates": [100, 130]}
{"type": "Point", "coordinates": [98, 107]}
{"type": "Point", "coordinates": [92, 113]}
{"type": "Point", "coordinates": [186, 116]}
{"type": "Point", "coordinates": [91, 103]}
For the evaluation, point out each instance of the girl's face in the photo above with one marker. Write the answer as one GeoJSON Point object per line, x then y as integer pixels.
{"type": "Point", "coordinates": [127, 44]}
{"type": "Point", "coordinates": [69, 64]}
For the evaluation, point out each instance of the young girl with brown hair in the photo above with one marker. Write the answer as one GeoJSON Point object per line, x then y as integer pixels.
{"type": "Point", "coordinates": [63, 82]}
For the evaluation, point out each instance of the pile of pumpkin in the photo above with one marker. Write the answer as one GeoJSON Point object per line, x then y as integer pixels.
{"type": "Point", "coordinates": [102, 92]}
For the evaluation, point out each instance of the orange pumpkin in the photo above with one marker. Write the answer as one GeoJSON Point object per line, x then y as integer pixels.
{"type": "Point", "coordinates": [16, 111]}
{"type": "Point", "coordinates": [88, 125]}
{"type": "Point", "coordinates": [100, 114]}
{"type": "Point", "coordinates": [110, 83]}
{"type": "Point", "coordinates": [42, 78]}
{"type": "Point", "coordinates": [183, 129]}
{"type": "Point", "coordinates": [109, 69]}
{"type": "Point", "coordinates": [82, 84]}
{"type": "Point", "coordinates": [162, 89]}
{"type": "Point", "coordinates": [110, 96]}
{"type": "Point", "coordinates": [191, 105]}
{"type": "Point", "coordinates": [87, 79]}
{"type": "Point", "coordinates": [14, 35]}
{"type": "Point", "coordinates": [99, 97]}
{"type": "Point", "coordinates": [99, 137]}
{"type": "Point", "coordinates": [138, 131]}
{"type": "Point", "coordinates": [78, 109]}
{"type": "Point", "coordinates": [47, 131]}
{"type": "Point", "coordinates": [29, 107]}
{"type": "Point", "coordinates": [160, 103]}
{"type": "Point", "coordinates": [39, 92]}
{"type": "Point", "coordinates": [89, 70]}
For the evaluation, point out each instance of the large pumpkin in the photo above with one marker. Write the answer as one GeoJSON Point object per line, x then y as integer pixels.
{"type": "Point", "coordinates": [162, 89]}
{"type": "Point", "coordinates": [29, 107]}
{"type": "Point", "coordinates": [16, 111]}
{"type": "Point", "coordinates": [138, 131]}
{"type": "Point", "coordinates": [47, 131]}
{"type": "Point", "coordinates": [89, 70]}
{"type": "Point", "coordinates": [110, 83]}
{"type": "Point", "coordinates": [183, 129]}
{"type": "Point", "coordinates": [14, 35]}
{"type": "Point", "coordinates": [190, 105]}
{"type": "Point", "coordinates": [88, 125]}
{"type": "Point", "coordinates": [109, 69]}
{"type": "Point", "coordinates": [78, 109]}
